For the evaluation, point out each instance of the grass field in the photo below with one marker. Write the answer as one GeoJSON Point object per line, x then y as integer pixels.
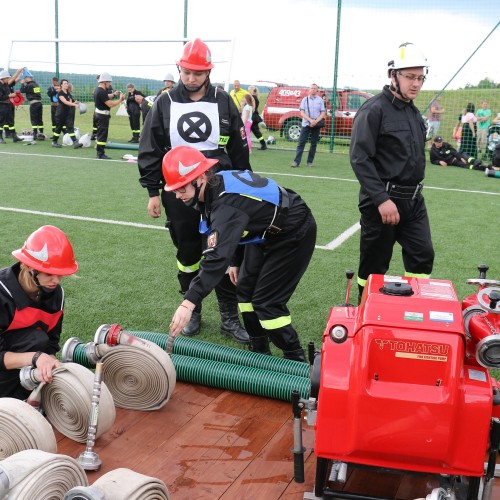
{"type": "Point", "coordinates": [127, 267]}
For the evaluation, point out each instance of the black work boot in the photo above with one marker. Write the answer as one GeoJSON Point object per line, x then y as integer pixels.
{"type": "Point", "coordinates": [135, 138]}
{"type": "Point", "coordinates": [230, 322]}
{"type": "Point", "coordinates": [263, 144]}
{"type": "Point", "coordinates": [296, 355]}
{"type": "Point", "coordinates": [15, 137]}
{"type": "Point", "coordinates": [260, 345]}
{"type": "Point", "coordinates": [194, 325]}
{"type": "Point", "coordinates": [77, 144]}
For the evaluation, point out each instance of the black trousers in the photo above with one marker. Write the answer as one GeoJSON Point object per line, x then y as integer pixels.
{"type": "Point", "coordinates": [135, 122]}
{"type": "Point", "coordinates": [36, 114]}
{"type": "Point", "coordinates": [268, 277]}
{"type": "Point", "coordinates": [102, 123]}
{"type": "Point", "coordinates": [412, 233]}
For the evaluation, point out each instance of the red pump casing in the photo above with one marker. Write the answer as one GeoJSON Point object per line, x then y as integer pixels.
{"type": "Point", "coordinates": [398, 392]}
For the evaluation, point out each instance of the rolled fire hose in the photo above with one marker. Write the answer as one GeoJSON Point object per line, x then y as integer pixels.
{"type": "Point", "coordinates": [67, 401]}
{"type": "Point", "coordinates": [31, 474]}
{"type": "Point", "coordinates": [23, 428]}
{"type": "Point", "coordinates": [140, 377]}
{"type": "Point", "coordinates": [121, 484]}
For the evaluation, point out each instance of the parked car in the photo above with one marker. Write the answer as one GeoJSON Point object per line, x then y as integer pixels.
{"type": "Point", "coordinates": [281, 111]}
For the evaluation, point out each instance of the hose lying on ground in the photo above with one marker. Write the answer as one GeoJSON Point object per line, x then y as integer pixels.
{"type": "Point", "coordinates": [122, 484]}
{"type": "Point", "coordinates": [67, 402]}
{"type": "Point", "coordinates": [36, 474]}
{"type": "Point", "coordinates": [23, 428]}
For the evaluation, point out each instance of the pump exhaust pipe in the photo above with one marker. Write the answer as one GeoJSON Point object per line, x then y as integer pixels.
{"type": "Point", "coordinates": [349, 275]}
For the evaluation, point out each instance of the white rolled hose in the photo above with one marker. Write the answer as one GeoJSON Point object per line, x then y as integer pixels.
{"type": "Point", "coordinates": [67, 402]}
{"type": "Point", "coordinates": [122, 484]}
{"type": "Point", "coordinates": [140, 376]}
{"type": "Point", "coordinates": [23, 428]}
{"type": "Point", "coordinates": [31, 474]}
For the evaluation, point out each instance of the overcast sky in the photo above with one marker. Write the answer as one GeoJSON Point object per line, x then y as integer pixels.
{"type": "Point", "coordinates": [291, 41]}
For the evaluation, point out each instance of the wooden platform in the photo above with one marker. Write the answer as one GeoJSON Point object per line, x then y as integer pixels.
{"type": "Point", "coordinates": [214, 444]}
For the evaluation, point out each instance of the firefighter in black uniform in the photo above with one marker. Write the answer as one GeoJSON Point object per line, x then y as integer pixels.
{"type": "Point", "coordinates": [7, 109]}
{"type": "Point", "coordinates": [445, 154]}
{"type": "Point", "coordinates": [32, 307]}
{"type": "Point", "coordinates": [387, 155]}
{"type": "Point", "coordinates": [52, 92]}
{"type": "Point", "coordinates": [34, 96]}
{"type": "Point", "coordinates": [196, 114]}
{"type": "Point", "coordinates": [134, 112]}
{"type": "Point", "coordinates": [103, 103]}
{"type": "Point", "coordinates": [111, 93]}
{"type": "Point", "coordinates": [169, 84]}
{"type": "Point", "coordinates": [272, 225]}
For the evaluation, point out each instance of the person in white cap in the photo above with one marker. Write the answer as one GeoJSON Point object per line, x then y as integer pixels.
{"type": "Point", "coordinates": [103, 104]}
{"type": "Point", "coordinates": [169, 82]}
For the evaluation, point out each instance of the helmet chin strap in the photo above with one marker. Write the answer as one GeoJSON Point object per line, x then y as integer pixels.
{"type": "Point", "coordinates": [199, 87]}
{"type": "Point", "coordinates": [194, 200]}
{"type": "Point", "coordinates": [397, 88]}
{"type": "Point", "coordinates": [34, 275]}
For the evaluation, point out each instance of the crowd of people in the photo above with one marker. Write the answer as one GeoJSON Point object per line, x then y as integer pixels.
{"type": "Point", "coordinates": [256, 237]}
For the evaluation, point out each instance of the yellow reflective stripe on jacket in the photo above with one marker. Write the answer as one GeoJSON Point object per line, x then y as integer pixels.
{"type": "Point", "coordinates": [361, 281]}
{"type": "Point", "coordinates": [273, 324]}
{"type": "Point", "coordinates": [245, 307]}
{"type": "Point", "coordinates": [188, 269]}
{"type": "Point", "coordinates": [36, 90]}
{"type": "Point", "coordinates": [223, 140]}
{"type": "Point", "coordinates": [251, 197]}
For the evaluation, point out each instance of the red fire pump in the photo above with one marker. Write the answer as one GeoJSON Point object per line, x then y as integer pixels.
{"type": "Point", "coordinates": [402, 384]}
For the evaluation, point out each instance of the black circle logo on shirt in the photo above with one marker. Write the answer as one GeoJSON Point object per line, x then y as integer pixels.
{"type": "Point", "coordinates": [194, 127]}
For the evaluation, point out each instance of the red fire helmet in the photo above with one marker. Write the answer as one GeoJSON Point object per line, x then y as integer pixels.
{"type": "Point", "coordinates": [18, 99]}
{"type": "Point", "coordinates": [49, 251]}
{"type": "Point", "coordinates": [196, 56]}
{"type": "Point", "coordinates": [184, 164]}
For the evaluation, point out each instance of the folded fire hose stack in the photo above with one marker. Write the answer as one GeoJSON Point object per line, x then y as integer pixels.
{"type": "Point", "coordinates": [23, 428]}
{"type": "Point", "coordinates": [121, 484]}
{"type": "Point", "coordinates": [67, 400]}
{"type": "Point", "coordinates": [31, 474]}
{"type": "Point", "coordinates": [208, 364]}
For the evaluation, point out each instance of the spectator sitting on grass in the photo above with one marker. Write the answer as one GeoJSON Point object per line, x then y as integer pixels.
{"type": "Point", "coordinates": [446, 155]}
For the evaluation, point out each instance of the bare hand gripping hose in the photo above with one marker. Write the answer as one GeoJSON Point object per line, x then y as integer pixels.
{"type": "Point", "coordinates": [36, 474]}
{"type": "Point", "coordinates": [23, 428]}
{"type": "Point", "coordinates": [67, 401]}
{"type": "Point", "coordinates": [122, 484]}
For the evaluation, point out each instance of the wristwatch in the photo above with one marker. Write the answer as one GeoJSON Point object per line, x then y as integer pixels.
{"type": "Point", "coordinates": [35, 358]}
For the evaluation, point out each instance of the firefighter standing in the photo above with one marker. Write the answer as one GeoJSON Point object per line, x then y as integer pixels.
{"type": "Point", "coordinates": [7, 109]}
{"type": "Point", "coordinates": [32, 307]}
{"type": "Point", "coordinates": [279, 238]}
{"type": "Point", "coordinates": [387, 155]}
{"type": "Point", "coordinates": [34, 96]}
{"type": "Point", "coordinates": [197, 114]}
{"type": "Point", "coordinates": [52, 92]}
{"type": "Point", "coordinates": [169, 84]}
{"type": "Point", "coordinates": [134, 112]}
{"type": "Point", "coordinates": [103, 104]}
{"type": "Point", "coordinates": [65, 116]}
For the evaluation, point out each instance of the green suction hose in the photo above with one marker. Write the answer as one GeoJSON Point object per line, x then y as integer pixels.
{"type": "Point", "coordinates": [216, 352]}
{"type": "Point", "coordinates": [228, 376]}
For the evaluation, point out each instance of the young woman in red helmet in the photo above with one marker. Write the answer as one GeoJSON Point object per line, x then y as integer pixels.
{"type": "Point", "coordinates": [265, 233]}
{"type": "Point", "coordinates": [31, 307]}
{"type": "Point", "coordinates": [199, 115]}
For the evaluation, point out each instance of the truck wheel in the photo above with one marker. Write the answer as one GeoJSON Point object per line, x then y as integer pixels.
{"type": "Point", "coordinates": [291, 130]}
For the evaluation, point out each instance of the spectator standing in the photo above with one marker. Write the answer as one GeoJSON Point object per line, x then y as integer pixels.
{"type": "Point", "coordinates": [103, 103]}
{"type": "Point", "coordinates": [196, 114]}
{"type": "Point", "coordinates": [246, 118]}
{"type": "Point", "coordinates": [312, 110]}
{"type": "Point", "coordinates": [134, 112]}
{"type": "Point", "coordinates": [387, 155]}
{"type": "Point", "coordinates": [256, 119]}
{"type": "Point", "coordinates": [52, 92]}
{"type": "Point", "coordinates": [468, 143]}
{"type": "Point", "coordinates": [32, 308]}
{"type": "Point", "coordinates": [65, 115]}
{"type": "Point", "coordinates": [7, 112]}
{"type": "Point", "coordinates": [434, 116]}
{"type": "Point", "coordinates": [277, 230]}
{"type": "Point", "coordinates": [445, 154]}
{"type": "Point", "coordinates": [483, 124]}
{"type": "Point", "coordinates": [237, 93]}
{"type": "Point", "coordinates": [34, 97]}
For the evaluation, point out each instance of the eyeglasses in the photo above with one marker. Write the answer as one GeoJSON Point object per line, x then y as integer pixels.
{"type": "Point", "coordinates": [413, 78]}
{"type": "Point", "coordinates": [181, 190]}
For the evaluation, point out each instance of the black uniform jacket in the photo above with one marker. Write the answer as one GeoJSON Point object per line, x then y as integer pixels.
{"type": "Point", "coordinates": [134, 107]}
{"type": "Point", "coordinates": [445, 153]}
{"type": "Point", "coordinates": [234, 218]}
{"type": "Point", "coordinates": [387, 144]}
{"type": "Point", "coordinates": [192, 125]}
{"type": "Point", "coordinates": [26, 325]}
{"type": "Point", "coordinates": [32, 91]}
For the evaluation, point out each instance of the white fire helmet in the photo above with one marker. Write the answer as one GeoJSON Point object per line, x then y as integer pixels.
{"type": "Point", "coordinates": [408, 55]}
{"type": "Point", "coordinates": [105, 77]}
